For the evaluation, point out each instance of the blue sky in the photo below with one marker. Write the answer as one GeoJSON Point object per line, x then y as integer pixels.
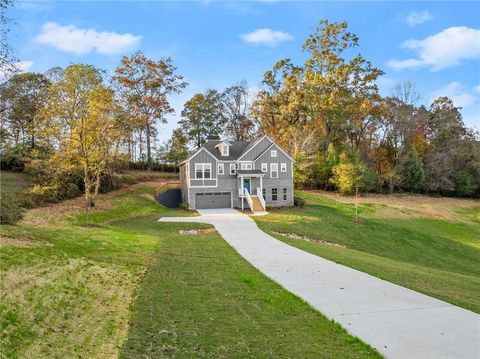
{"type": "Point", "coordinates": [215, 44]}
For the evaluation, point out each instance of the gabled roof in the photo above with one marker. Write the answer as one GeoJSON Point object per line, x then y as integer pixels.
{"type": "Point", "coordinates": [236, 151]}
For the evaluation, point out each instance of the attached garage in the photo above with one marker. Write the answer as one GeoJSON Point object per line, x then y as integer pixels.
{"type": "Point", "coordinates": [213, 200]}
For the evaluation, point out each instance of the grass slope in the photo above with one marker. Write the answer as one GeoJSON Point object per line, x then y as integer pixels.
{"type": "Point", "coordinates": [13, 182]}
{"type": "Point", "coordinates": [201, 299]}
{"type": "Point", "coordinates": [436, 257]}
{"type": "Point", "coordinates": [68, 290]}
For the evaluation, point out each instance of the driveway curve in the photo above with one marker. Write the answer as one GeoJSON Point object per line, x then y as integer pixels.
{"type": "Point", "coordinates": [398, 322]}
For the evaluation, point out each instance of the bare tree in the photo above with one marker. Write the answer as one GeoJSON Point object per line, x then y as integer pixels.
{"type": "Point", "coordinates": [407, 93]}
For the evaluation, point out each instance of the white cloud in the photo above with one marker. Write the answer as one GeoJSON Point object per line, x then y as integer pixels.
{"type": "Point", "coordinates": [266, 37]}
{"type": "Point", "coordinates": [445, 49]}
{"type": "Point", "coordinates": [83, 41]}
{"type": "Point", "coordinates": [460, 95]}
{"type": "Point", "coordinates": [477, 88]}
{"type": "Point", "coordinates": [416, 18]}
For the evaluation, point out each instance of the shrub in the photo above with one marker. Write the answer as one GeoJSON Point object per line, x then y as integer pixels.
{"type": "Point", "coordinates": [11, 209]}
{"type": "Point", "coordinates": [298, 202]}
{"type": "Point", "coordinates": [465, 184]}
{"type": "Point", "coordinates": [371, 180]}
{"type": "Point", "coordinates": [184, 205]}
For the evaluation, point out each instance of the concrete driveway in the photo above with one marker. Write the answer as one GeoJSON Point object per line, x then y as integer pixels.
{"type": "Point", "coordinates": [398, 322]}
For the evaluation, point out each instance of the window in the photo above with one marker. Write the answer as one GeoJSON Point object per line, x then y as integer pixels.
{"type": "Point", "coordinates": [264, 167]}
{"type": "Point", "coordinates": [273, 153]}
{"type": "Point", "coordinates": [274, 170]}
{"type": "Point", "coordinates": [220, 168]}
{"type": "Point", "coordinates": [283, 167]}
{"type": "Point", "coordinates": [224, 150]}
{"type": "Point", "coordinates": [264, 193]}
{"type": "Point", "coordinates": [274, 194]}
{"type": "Point", "coordinates": [232, 168]}
{"type": "Point", "coordinates": [203, 170]}
{"type": "Point", "coordinates": [284, 194]}
{"type": "Point", "coordinates": [246, 166]}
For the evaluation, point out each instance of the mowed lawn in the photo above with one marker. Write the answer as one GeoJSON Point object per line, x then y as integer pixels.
{"type": "Point", "coordinates": [435, 256]}
{"type": "Point", "coordinates": [128, 286]}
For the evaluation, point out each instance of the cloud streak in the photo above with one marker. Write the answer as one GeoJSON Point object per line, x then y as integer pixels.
{"type": "Point", "coordinates": [265, 37]}
{"type": "Point", "coordinates": [445, 49]}
{"type": "Point", "coordinates": [79, 41]}
{"type": "Point", "coordinates": [416, 18]}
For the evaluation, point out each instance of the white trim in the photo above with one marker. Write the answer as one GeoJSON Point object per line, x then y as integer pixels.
{"type": "Point", "coordinates": [222, 167]}
{"type": "Point", "coordinates": [264, 167]}
{"type": "Point", "coordinates": [222, 142]}
{"type": "Point", "coordinates": [271, 170]}
{"type": "Point", "coordinates": [256, 143]}
{"type": "Point", "coordinates": [280, 149]}
{"type": "Point", "coordinates": [234, 167]}
{"type": "Point", "coordinates": [273, 153]}
{"type": "Point", "coordinates": [204, 166]}
{"type": "Point", "coordinates": [283, 167]}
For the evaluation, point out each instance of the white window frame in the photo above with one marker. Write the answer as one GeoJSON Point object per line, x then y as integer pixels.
{"type": "Point", "coordinates": [273, 169]}
{"type": "Point", "coordinates": [232, 168]}
{"type": "Point", "coordinates": [283, 167]}
{"type": "Point", "coordinates": [273, 153]}
{"type": "Point", "coordinates": [246, 166]}
{"type": "Point", "coordinates": [274, 195]}
{"type": "Point", "coordinates": [225, 150]}
{"type": "Point", "coordinates": [221, 169]}
{"type": "Point", "coordinates": [203, 167]}
{"type": "Point", "coordinates": [264, 167]}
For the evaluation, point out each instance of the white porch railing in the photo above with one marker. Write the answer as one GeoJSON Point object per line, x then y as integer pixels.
{"type": "Point", "coordinates": [260, 197]}
{"type": "Point", "coordinates": [248, 198]}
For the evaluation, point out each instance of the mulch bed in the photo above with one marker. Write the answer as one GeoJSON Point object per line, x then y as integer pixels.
{"type": "Point", "coordinates": [309, 239]}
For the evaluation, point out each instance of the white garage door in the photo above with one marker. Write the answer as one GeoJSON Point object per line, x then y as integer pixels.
{"type": "Point", "coordinates": [213, 200]}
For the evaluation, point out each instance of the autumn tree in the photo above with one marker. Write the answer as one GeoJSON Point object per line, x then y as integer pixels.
{"type": "Point", "coordinates": [77, 120]}
{"type": "Point", "coordinates": [7, 60]}
{"type": "Point", "coordinates": [145, 86]}
{"type": "Point", "coordinates": [236, 108]}
{"type": "Point", "coordinates": [23, 96]}
{"type": "Point", "coordinates": [175, 150]}
{"type": "Point", "coordinates": [349, 175]}
{"type": "Point", "coordinates": [202, 117]}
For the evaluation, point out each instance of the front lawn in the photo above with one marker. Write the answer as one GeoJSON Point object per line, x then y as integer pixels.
{"type": "Point", "coordinates": [438, 257]}
{"type": "Point", "coordinates": [70, 291]}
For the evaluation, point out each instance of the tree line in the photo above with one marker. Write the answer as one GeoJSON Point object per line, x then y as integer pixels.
{"type": "Point", "coordinates": [328, 114]}
{"type": "Point", "coordinates": [72, 128]}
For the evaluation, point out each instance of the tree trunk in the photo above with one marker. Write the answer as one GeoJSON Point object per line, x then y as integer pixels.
{"type": "Point", "coordinates": [149, 150]}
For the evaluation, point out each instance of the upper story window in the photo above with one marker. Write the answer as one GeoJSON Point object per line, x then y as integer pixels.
{"type": "Point", "coordinates": [232, 168]}
{"type": "Point", "coordinates": [220, 169]}
{"type": "Point", "coordinates": [203, 170]}
{"type": "Point", "coordinates": [274, 170]}
{"type": "Point", "coordinates": [246, 166]}
{"type": "Point", "coordinates": [225, 150]}
{"type": "Point", "coordinates": [273, 153]}
{"type": "Point", "coordinates": [283, 167]}
{"type": "Point", "coordinates": [265, 167]}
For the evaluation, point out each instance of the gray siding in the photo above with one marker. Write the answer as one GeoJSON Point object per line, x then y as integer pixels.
{"type": "Point", "coordinates": [203, 157]}
{"type": "Point", "coordinates": [256, 150]}
{"type": "Point", "coordinates": [281, 158]}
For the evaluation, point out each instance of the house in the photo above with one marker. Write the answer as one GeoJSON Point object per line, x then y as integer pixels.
{"type": "Point", "coordinates": [237, 174]}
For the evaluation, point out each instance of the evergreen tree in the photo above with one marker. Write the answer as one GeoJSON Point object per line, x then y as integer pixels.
{"type": "Point", "coordinates": [413, 173]}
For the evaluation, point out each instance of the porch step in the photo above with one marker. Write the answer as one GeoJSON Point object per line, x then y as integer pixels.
{"type": "Point", "coordinates": [257, 205]}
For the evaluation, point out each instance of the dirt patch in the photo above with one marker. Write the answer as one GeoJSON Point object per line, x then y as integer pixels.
{"type": "Point", "coordinates": [309, 239]}
{"type": "Point", "coordinates": [197, 231]}
{"type": "Point", "coordinates": [22, 243]}
{"type": "Point", "coordinates": [408, 205]}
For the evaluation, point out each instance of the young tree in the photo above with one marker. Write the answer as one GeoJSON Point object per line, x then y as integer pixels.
{"type": "Point", "coordinates": [413, 174]}
{"type": "Point", "coordinates": [236, 106]}
{"type": "Point", "coordinates": [202, 117]}
{"type": "Point", "coordinates": [145, 86]}
{"type": "Point", "coordinates": [78, 121]}
{"type": "Point", "coordinates": [349, 175]}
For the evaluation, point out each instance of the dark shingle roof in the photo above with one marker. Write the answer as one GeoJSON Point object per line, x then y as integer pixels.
{"type": "Point", "coordinates": [237, 148]}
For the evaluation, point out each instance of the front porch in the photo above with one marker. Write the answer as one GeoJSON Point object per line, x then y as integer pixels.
{"type": "Point", "coordinates": [251, 189]}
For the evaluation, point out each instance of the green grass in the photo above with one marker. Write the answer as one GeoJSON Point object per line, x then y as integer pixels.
{"type": "Point", "coordinates": [68, 291]}
{"type": "Point", "coordinates": [201, 299]}
{"type": "Point", "coordinates": [436, 257]}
